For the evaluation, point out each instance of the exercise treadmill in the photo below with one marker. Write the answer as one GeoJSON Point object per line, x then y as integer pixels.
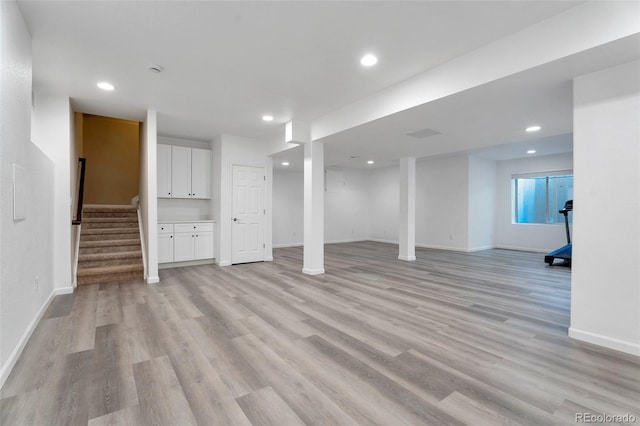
{"type": "Point", "coordinates": [563, 252]}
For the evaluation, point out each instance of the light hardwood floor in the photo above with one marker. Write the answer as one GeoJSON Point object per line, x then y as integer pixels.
{"type": "Point", "coordinates": [451, 338]}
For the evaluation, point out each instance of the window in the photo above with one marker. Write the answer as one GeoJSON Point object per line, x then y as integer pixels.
{"type": "Point", "coordinates": [537, 199]}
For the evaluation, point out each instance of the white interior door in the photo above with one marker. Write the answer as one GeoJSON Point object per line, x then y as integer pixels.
{"type": "Point", "coordinates": [247, 229]}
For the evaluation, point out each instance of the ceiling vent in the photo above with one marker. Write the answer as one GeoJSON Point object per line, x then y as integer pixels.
{"type": "Point", "coordinates": [424, 133]}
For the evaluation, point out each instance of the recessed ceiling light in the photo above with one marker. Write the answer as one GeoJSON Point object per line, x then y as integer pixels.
{"type": "Point", "coordinates": [533, 128]}
{"type": "Point", "coordinates": [267, 117]}
{"type": "Point", "coordinates": [531, 151]}
{"type": "Point", "coordinates": [370, 162]}
{"type": "Point", "coordinates": [368, 60]}
{"type": "Point", "coordinates": [105, 86]}
{"type": "Point", "coordinates": [285, 163]}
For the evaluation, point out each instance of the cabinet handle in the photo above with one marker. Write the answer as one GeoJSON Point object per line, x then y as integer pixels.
{"type": "Point", "coordinates": [171, 236]}
{"type": "Point", "coordinates": [196, 235]}
{"type": "Point", "coordinates": [169, 193]}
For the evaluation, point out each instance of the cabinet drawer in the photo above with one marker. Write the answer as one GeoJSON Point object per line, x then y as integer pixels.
{"type": "Point", "coordinates": [165, 228]}
{"type": "Point", "coordinates": [191, 227]}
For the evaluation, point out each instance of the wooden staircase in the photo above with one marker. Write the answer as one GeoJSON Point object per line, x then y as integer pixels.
{"type": "Point", "coordinates": [109, 246]}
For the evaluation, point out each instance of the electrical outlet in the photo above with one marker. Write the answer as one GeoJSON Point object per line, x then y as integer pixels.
{"type": "Point", "coordinates": [37, 282]}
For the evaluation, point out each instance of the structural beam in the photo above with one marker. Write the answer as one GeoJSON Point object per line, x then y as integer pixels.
{"type": "Point", "coordinates": [313, 208]}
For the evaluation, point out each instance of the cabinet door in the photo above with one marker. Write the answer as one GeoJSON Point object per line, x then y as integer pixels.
{"type": "Point", "coordinates": [200, 173]}
{"type": "Point", "coordinates": [164, 171]}
{"type": "Point", "coordinates": [165, 248]}
{"type": "Point", "coordinates": [183, 247]}
{"type": "Point", "coordinates": [204, 245]}
{"type": "Point", "coordinates": [180, 172]}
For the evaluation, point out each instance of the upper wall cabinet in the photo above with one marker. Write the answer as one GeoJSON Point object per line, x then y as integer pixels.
{"type": "Point", "coordinates": [184, 172]}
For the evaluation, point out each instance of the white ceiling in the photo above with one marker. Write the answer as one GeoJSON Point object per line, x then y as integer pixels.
{"type": "Point", "coordinates": [228, 63]}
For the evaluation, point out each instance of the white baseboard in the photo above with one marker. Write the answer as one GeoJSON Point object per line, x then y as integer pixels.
{"type": "Point", "coordinates": [186, 263]}
{"type": "Point", "coordinates": [313, 271]}
{"type": "Point", "coordinates": [17, 351]}
{"type": "Point", "coordinates": [62, 290]}
{"type": "Point", "coordinates": [268, 259]}
{"type": "Point", "coordinates": [356, 240]}
{"type": "Point", "coordinates": [378, 240]}
{"type": "Point", "coordinates": [285, 245]}
{"type": "Point", "coordinates": [223, 262]}
{"type": "Point", "coordinates": [152, 280]}
{"type": "Point", "coordinates": [474, 249]}
{"type": "Point", "coordinates": [604, 341]}
{"type": "Point", "coordinates": [407, 258]}
{"type": "Point", "coordinates": [517, 248]}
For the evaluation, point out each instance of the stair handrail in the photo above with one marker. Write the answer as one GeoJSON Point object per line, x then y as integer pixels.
{"type": "Point", "coordinates": [82, 162]}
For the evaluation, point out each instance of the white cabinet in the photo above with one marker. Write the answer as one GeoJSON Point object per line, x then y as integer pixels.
{"type": "Point", "coordinates": [200, 173]}
{"type": "Point", "coordinates": [183, 246]}
{"type": "Point", "coordinates": [164, 171]}
{"type": "Point", "coordinates": [180, 172]}
{"type": "Point", "coordinates": [189, 241]}
{"type": "Point", "coordinates": [184, 172]}
{"type": "Point", "coordinates": [165, 243]}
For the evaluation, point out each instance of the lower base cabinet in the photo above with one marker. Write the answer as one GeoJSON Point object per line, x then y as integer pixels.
{"type": "Point", "coordinates": [181, 242]}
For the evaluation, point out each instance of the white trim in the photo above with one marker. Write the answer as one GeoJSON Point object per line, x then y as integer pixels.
{"type": "Point", "coordinates": [288, 245]}
{"type": "Point", "coordinates": [607, 342]}
{"type": "Point", "coordinates": [17, 351]}
{"type": "Point", "coordinates": [268, 259]}
{"type": "Point", "coordinates": [516, 248]}
{"type": "Point", "coordinates": [143, 247]}
{"type": "Point", "coordinates": [379, 240]}
{"type": "Point", "coordinates": [152, 280]}
{"type": "Point", "coordinates": [76, 255]}
{"type": "Point", "coordinates": [357, 240]}
{"type": "Point", "coordinates": [198, 262]}
{"type": "Point", "coordinates": [313, 271]}
{"type": "Point", "coordinates": [474, 249]}
{"type": "Point", "coordinates": [407, 258]}
{"type": "Point", "coordinates": [223, 262]}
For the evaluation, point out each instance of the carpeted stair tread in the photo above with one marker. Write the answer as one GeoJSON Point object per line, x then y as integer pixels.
{"type": "Point", "coordinates": [111, 278]}
{"type": "Point", "coordinates": [99, 231]}
{"type": "Point", "coordinates": [111, 255]}
{"type": "Point", "coordinates": [109, 209]}
{"type": "Point", "coordinates": [109, 270]}
{"type": "Point", "coordinates": [110, 243]}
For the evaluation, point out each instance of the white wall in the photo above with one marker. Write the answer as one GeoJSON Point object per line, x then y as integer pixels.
{"type": "Point", "coordinates": [149, 194]}
{"type": "Point", "coordinates": [605, 282]}
{"type": "Point", "coordinates": [526, 236]}
{"type": "Point", "coordinates": [26, 246]}
{"type": "Point", "coordinates": [51, 129]}
{"type": "Point", "coordinates": [230, 150]}
{"type": "Point", "coordinates": [288, 208]}
{"type": "Point", "coordinates": [482, 203]}
{"type": "Point", "coordinates": [442, 192]}
{"type": "Point", "coordinates": [384, 204]}
{"type": "Point", "coordinates": [346, 207]}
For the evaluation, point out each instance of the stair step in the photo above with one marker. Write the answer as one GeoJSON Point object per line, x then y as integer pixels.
{"type": "Point", "coordinates": [109, 270]}
{"type": "Point", "coordinates": [109, 246]}
{"type": "Point", "coordinates": [112, 278]}
{"type": "Point", "coordinates": [90, 260]}
{"type": "Point", "coordinates": [111, 214]}
{"type": "Point", "coordinates": [100, 234]}
{"type": "Point", "coordinates": [131, 222]}
{"type": "Point", "coordinates": [109, 209]}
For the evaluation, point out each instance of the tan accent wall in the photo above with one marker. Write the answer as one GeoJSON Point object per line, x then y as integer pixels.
{"type": "Point", "coordinates": [112, 149]}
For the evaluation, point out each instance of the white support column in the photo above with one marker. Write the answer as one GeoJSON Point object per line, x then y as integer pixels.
{"type": "Point", "coordinates": [407, 209]}
{"type": "Point", "coordinates": [313, 208]}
